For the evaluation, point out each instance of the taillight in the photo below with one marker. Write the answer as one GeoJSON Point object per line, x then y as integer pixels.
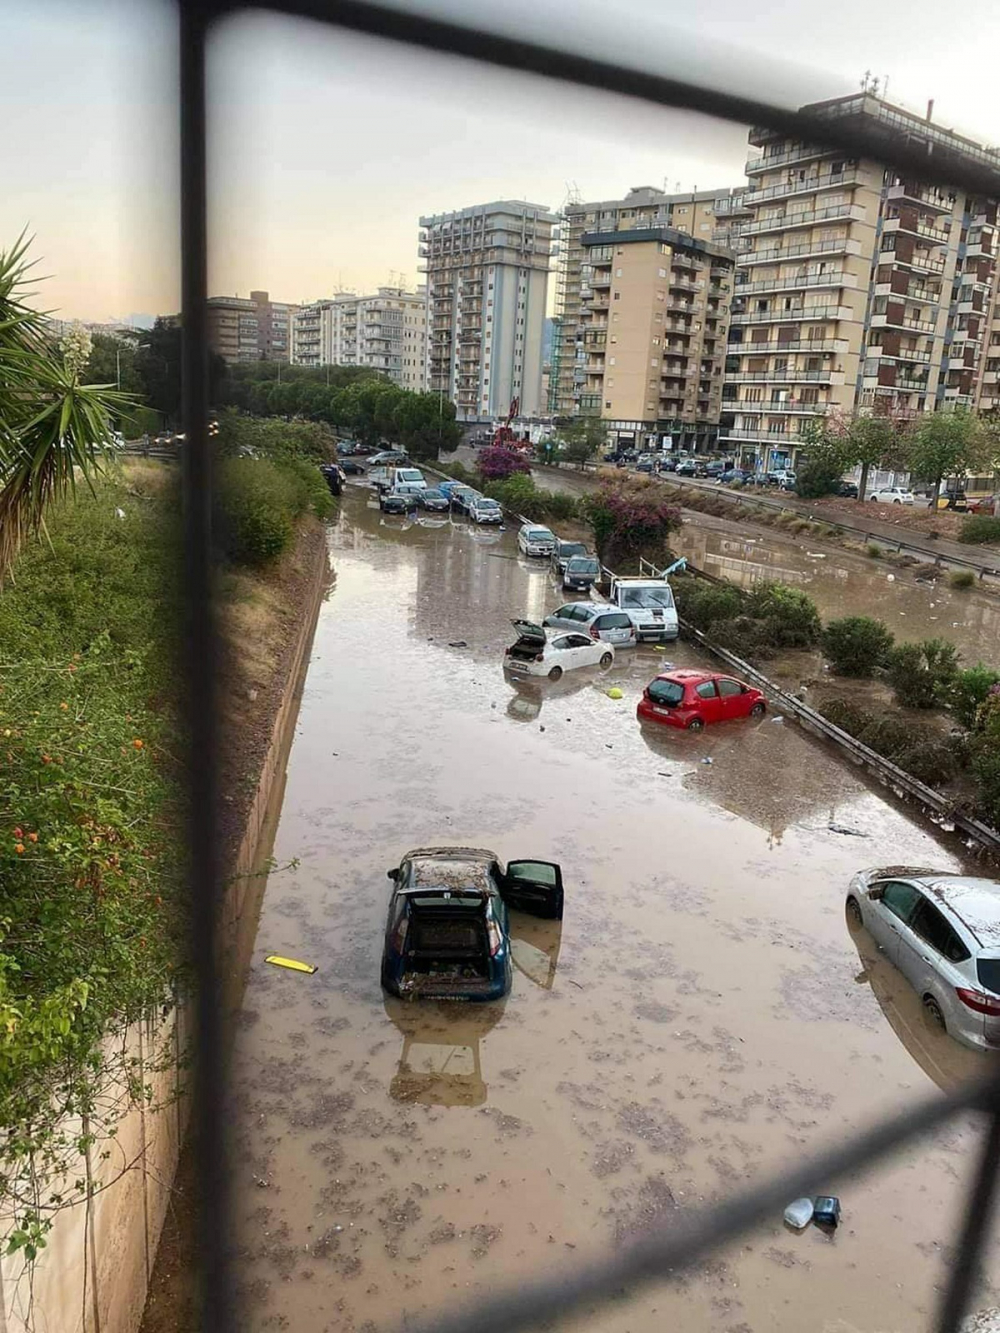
{"type": "Point", "coordinates": [506, 652]}
{"type": "Point", "coordinates": [399, 934]}
{"type": "Point", "coordinates": [979, 1000]}
{"type": "Point", "coordinates": [595, 633]}
{"type": "Point", "coordinates": [495, 938]}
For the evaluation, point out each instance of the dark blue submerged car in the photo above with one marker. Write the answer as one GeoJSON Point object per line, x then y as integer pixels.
{"type": "Point", "coordinates": [447, 936]}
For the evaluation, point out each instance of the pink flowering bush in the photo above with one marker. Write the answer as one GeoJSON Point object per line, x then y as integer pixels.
{"type": "Point", "coordinates": [497, 462]}
{"type": "Point", "coordinates": [630, 517]}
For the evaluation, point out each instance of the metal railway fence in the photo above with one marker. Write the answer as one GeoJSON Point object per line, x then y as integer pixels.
{"type": "Point", "coordinates": [662, 1253]}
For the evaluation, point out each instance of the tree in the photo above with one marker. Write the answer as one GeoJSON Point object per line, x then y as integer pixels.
{"type": "Point", "coordinates": [630, 517]}
{"type": "Point", "coordinates": [51, 422]}
{"type": "Point", "coordinates": [497, 462]}
{"type": "Point", "coordinates": [873, 441]}
{"type": "Point", "coordinates": [582, 437]}
{"type": "Point", "coordinates": [949, 443]}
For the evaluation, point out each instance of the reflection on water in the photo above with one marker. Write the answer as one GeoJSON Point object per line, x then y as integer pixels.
{"type": "Point", "coordinates": [844, 585]}
{"type": "Point", "coordinates": [534, 947]}
{"type": "Point", "coordinates": [440, 1063]}
{"type": "Point", "coordinates": [941, 1058]}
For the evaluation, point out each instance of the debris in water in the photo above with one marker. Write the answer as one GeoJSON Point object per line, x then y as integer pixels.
{"type": "Point", "coordinates": [459, 643]}
{"type": "Point", "coordinates": [292, 964]}
{"type": "Point", "coordinates": [848, 832]}
{"type": "Point", "coordinates": [708, 760]}
{"type": "Point", "coordinates": [826, 1210]}
{"type": "Point", "coordinates": [890, 578]}
{"type": "Point", "coordinates": [777, 719]}
{"type": "Point", "coordinates": [614, 693]}
{"type": "Point", "coordinates": [799, 1214]}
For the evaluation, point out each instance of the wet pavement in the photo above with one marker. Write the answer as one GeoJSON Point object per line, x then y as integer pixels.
{"type": "Point", "coordinates": [701, 1016]}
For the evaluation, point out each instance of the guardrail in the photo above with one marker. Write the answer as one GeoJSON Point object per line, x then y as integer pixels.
{"type": "Point", "coordinates": [937, 807]}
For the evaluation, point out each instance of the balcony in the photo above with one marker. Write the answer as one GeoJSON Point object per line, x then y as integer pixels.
{"type": "Point", "coordinates": [804, 153]}
{"type": "Point", "coordinates": [884, 321]}
{"type": "Point", "coordinates": [762, 436]}
{"type": "Point", "coordinates": [684, 307]}
{"type": "Point", "coordinates": [801, 314]}
{"type": "Point", "coordinates": [921, 263]}
{"type": "Point", "coordinates": [686, 284]}
{"type": "Point", "coordinates": [800, 345]}
{"type": "Point", "coordinates": [824, 180]}
{"type": "Point", "coordinates": [789, 284]}
{"type": "Point", "coordinates": [921, 295]}
{"type": "Point", "coordinates": [777, 254]}
{"type": "Point", "coordinates": [928, 198]}
{"type": "Point", "coordinates": [805, 218]}
{"type": "Point", "coordinates": [933, 235]}
{"type": "Point", "coordinates": [785, 406]}
{"type": "Point", "coordinates": [828, 376]}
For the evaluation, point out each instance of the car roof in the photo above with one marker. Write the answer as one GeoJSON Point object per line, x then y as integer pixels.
{"type": "Point", "coordinates": [451, 867]}
{"type": "Point", "coordinates": [975, 901]}
{"type": "Point", "coordinates": [684, 677]}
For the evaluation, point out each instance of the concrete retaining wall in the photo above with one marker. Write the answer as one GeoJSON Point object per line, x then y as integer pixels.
{"type": "Point", "coordinates": [94, 1273]}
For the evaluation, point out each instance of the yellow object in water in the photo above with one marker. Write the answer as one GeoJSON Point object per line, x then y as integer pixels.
{"type": "Point", "coordinates": [291, 963]}
{"type": "Point", "coordinates": [614, 693]}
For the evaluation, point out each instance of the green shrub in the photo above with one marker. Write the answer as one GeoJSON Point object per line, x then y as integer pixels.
{"type": "Point", "coordinates": [923, 674]}
{"type": "Point", "coordinates": [979, 528]}
{"type": "Point", "coordinates": [961, 578]}
{"type": "Point", "coordinates": [873, 550]}
{"type": "Point", "coordinates": [918, 750]}
{"type": "Point", "coordinates": [790, 616]}
{"type": "Point", "coordinates": [857, 645]}
{"type": "Point", "coordinates": [745, 636]}
{"type": "Point", "coordinates": [703, 604]}
{"type": "Point", "coordinates": [309, 490]}
{"type": "Point", "coordinates": [559, 504]}
{"type": "Point", "coordinates": [257, 503]}
{"type": "Point", "coordinates": [970, 691]}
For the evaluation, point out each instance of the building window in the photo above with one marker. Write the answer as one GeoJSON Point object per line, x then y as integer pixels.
{"type": "Point", "coordinates": [607, 402]}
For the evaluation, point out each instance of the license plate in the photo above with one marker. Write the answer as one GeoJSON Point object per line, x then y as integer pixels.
{"type": "Point", "coordinates": [658, 708]}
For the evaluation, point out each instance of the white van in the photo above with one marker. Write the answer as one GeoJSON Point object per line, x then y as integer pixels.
{"type": "Point", "coordinates": [406, 479]}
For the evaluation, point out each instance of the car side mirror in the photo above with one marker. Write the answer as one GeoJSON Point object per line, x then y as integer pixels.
{"type": "Point", "coordinates": [392, 874]}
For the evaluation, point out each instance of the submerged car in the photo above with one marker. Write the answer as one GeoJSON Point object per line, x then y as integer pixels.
{"type": "Point", "coordinates": [396, 502]}
{"type": "Point", "coordinates": [563, 551]}
{"type": "Point", "coordinates": [533, 539]}
{"type": "Point", "coordinates": [334, 477]}
{"type": "Point", "coordinates": [484, 510]}
{"type": "Point", "coordinates": [690, 699]}
{"type": "Point", "coordinates": [942, 931]}
{"type": "Point", "coordinates": [581, 572]}
{"type": "Point", "coordinates": [433, 500]}
{"type": "Point", "coordinates": [546, 652]}
{"type": "Point", "coordinates": [447, 934]}
{"type": "Point", "coordinates": [597, 619]}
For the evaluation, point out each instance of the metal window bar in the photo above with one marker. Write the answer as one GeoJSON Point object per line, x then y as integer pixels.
{"type": "Point", "coordinates": [663, 1253]}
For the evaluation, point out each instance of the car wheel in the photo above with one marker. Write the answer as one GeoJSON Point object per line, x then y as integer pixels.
{"type": "Point", "coordinates": [696, 724]}
{"type": "Point", "coordinates": [933, 1011]}
{"type": "Point", "coordinates": [897, 502]}
{"type": "Point", "coordinates": [555, 673]}
{"type": "Point", "coordinates": [607, 659]}
{"type": "Point", "coordinates": [758, 710]}
{"type": "Point", "coordinates": [853, 909]}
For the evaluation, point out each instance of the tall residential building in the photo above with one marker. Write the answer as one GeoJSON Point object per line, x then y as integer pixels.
{"type": "Point", "coordinates": [858, 288]}
{"type": "Point", "coordinates": [253, 329]}
{"type": "Point", "coordinates": [487, 279]}
{"type": "Point", "coordinates": [654, 320]}
{"type": "Point", "coordinates": [707, 215]}
{"type": "Point", "coordinates": [386, 332]}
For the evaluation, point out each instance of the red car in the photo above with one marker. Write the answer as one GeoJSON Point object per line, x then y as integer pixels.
{"type": "Point", "coordinates": [689, 699]}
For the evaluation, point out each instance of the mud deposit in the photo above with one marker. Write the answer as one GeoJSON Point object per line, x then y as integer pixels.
{"type": "Point", "coordinates": [700, 1017]}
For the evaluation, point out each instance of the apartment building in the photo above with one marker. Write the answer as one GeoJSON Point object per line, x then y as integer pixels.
{"type": "Point", "coordinates": [653, 324]}
{"type": "Point", "coordinates": [487, 282]}
{"type": "Point", "coordinates": [988, 388]}
{"type": "Point", "coordinates": [386, 331]}
{"type": "Point", "coordinates": [856, 288]}
{"type": "Point", "coordinates": [707, 215]}
{"type": "Point", "coordinates": [250, 329]}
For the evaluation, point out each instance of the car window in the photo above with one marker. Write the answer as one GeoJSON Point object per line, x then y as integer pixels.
{"type": "Point", "coordinates": [578, 641]}
{"type": "Point", "coordinates": [567, 612]}
{"type": "Point", "coordinates": [706, 690]}
{"type": "Point", "coordinates": [988, 972]}
{"type": "Point", "coordinates": [932, 926]}
{"type": "Point", "coordinates": [564, 641]}
{"type": "Point", "coordinates": [727, 687]}
{"type": "Point", "coordinates": [616, 620]}
{"type": "Point", "coordinates": [900, 899]}
{"type": "Point", "coordinates": [665, 692]}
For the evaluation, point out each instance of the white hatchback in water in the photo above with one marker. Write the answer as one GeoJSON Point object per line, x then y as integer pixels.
{"type": "Point", "coordinates": [548, 652]}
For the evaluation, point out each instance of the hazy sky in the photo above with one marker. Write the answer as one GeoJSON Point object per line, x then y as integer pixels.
{"type": "Point", "coordinates": [326, 147]}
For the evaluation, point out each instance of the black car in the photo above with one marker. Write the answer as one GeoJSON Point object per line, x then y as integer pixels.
{"type": "Point", "coordinates": [351, 467]}
{"type": "Point", "coordinates": [564, 551]}
{"type": "Point", "coordinates": [848, 490]}
{"type": "Point", "coordinates": [581, 572]}
{"type": "Point", "coordinates": [667, 465]}
{"type": "Point", "coordinates": [433, 500]}
{"type": "Point", "coordinates": [334, 477]}
{"type": "Point", "coordinates": [396, 502]}
{"type": "Point", "coordinates": [687, 467]}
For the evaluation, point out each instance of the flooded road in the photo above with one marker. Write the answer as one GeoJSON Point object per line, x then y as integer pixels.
{"type": "Point", "coordinates": [840, 583]}
{"type": "Point", "coordinates": [702, 1014]}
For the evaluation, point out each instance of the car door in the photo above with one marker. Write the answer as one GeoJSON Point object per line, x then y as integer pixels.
{"type": "Point", "coordinates": [582, 650]}
{"type": "Point", "coordinates": [929, 949]}
{"type": "Point", "coordinates": [535, 887]}
{"type": "Point", "coordinates": [565, 617]}
{"type": "Point", "coordinates": [709, 703]}
{"type": "Point", "coordinates": [894, 902]}
{"type": "Point", "coordinates": [734, 701]}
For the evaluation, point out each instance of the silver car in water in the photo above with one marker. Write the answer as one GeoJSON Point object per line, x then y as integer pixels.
{"type": "Point", "coordinates": [942, 931]}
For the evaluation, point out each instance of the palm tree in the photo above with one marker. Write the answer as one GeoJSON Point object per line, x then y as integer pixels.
{"type": "Point", "coordinates": [51, 425]}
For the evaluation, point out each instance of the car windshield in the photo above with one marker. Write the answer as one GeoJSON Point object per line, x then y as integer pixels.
{"type": "Point", "coordinates": [666, 692]}
{"type": "Point", "coordinates": [540, 535]}
{"type": "Point", "coordinates": [433, 494]}
{"type": "Point", "coordinates": [583, 564]}
{"type": "Point", "coordinates": [655, 596]}
{"type": "Point", "coordinates": [572, 548]}
{"type": "Point", "coordinates": [409, 474]}
{"type": "Point", "coordinates": [487, 504]}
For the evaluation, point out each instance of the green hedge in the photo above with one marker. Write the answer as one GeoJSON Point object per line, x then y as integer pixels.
{"type": "Point", "coordinates": [979, 528]}
{"type": "Point", "coordinates": [857, 645]}
{"type": "Point", "coordinates": [259, 500]}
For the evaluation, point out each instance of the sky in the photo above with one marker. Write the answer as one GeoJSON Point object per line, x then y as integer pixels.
{"type": "Point", "coordinates": [326, 148]}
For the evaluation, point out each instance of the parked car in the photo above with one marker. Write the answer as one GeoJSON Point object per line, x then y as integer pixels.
{"type": "Point", "coordinates": [484, 510]}
{"type": "Point", "coordinates": [731, 474]}
{"type": "Point", "coordinates": [447, 934]}
{"type": "Point", "coordinates": [687, 467]}
{"type": "Point", "coordinates": [446, 487]}
{"type": "Point", "coordinates": [433, 500]}
{"type": "Point", "coordinates": [782, 477]}
{"type": "Point", "coordinates": [691, 699]}
{"type": "Point", "coordinates": [534, 539]}
{"type": "Point", "coordinates": [848, 490]}
{"type": "Point", "coordinates": [984, 504]}
{"type": "Point", "coordinates": [649, 604]}
{"type": "Point", "coordinates": [549, 652]}
{"type": "Point", "coordinates": [942, 931]}
{"type": "Point", "coordinates": [892, 495]}
{"type": "Point", "coordinates": [597, 619]}
{"type": "Point", "coordinates": [387, 458]}
{"type": "Point", "coordinates": [397, 502]}
{"type": "Point", "coordinates": [564, 551]}
{"type": "Point", "coordinates": [462, 497]}
{"type": "Point", "coordinates": [956, 500]}
{"type": "Point", "coordinates": [581, 572]}
{"type": "Point", "coordinates": [668, 464]}
{"type": "Point", "coordinates": [406, 479]}
{"type": "Point", "coordinates": [715, 469]}
{"type": "Point", "coordinates": [350, 466]}
{"type": "Point", "coordinates": [644, 465]}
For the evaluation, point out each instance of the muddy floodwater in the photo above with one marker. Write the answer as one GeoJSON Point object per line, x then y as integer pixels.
{"type": "Point", "coordinates": [700, 1017]}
